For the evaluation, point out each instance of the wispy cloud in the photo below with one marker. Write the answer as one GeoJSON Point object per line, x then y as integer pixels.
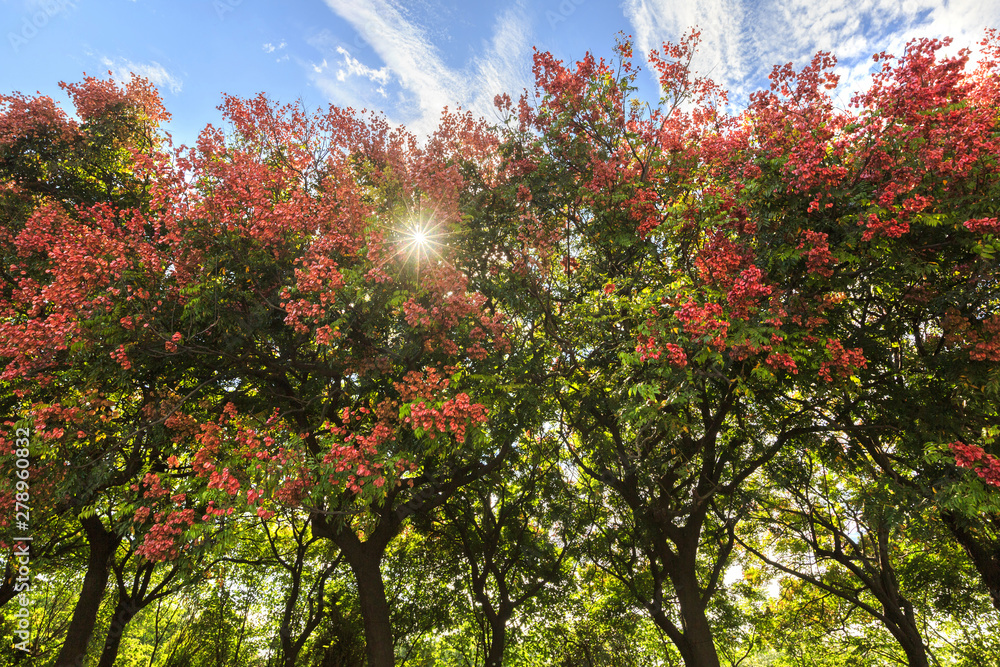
{"type": "Point", "coordinates": [354, 67]}
{"type": "Point", "coordinates": [723, 49]}
{"type": "Point", "coordinates": [406, 50]}
{"type": "Point", "coordinates": [271, 48]}
{"type": "Point", "coordinates": [409, 59]}
{"type": "Point", "coordinates": [742, 41]}
{"type": "Point", "coordinates": [153, 71]}
{"type": "Point", "coordinates": [505, 67]}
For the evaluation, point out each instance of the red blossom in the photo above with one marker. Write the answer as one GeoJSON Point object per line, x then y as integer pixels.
{"type": "Point", "coordinates": [160, 543]}
{"type": "Point", "coordinates": [704, 320]}
{"type": "Point", "coordinates": [781, 361]}
{"type": "Point", "coordinates": [975, 458]}
{"type": "Point", "coordinates": [843, 362]}
{"type": "Point", "coordinates": [817, 253]}
{"type": "Point", "coordinates": [984, 225]}
{"type": "Point", "coordinates": [987, 347]}
{"type": "Point", "coordinates": [676, 354]}
{"type": "Point", "coordinates": [647, 348]}
{"type": "Point", "coordinates": [747, 291]}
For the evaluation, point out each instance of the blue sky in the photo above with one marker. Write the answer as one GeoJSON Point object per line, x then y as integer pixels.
{"type": "Point", "coordinates": [409, 59]}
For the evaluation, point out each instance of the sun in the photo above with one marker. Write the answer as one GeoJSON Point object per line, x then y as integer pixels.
{"type": "Point", "coordinates": [419, 242]}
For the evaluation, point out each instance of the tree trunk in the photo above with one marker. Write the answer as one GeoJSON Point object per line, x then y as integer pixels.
{"type": "Point", "coordinates": [902, 625]}
{"type": "Point", "coordinates": [365, 559]}
{"type": "Point", "coordinates": [289, 651]}
{"type": "Point", "coordinates": [698, 645]}
{"type": "Point", "coordinates": [694, 640]}
{"type": "Point", "coordinates": [985, 557]}
{"type": "Point", "coordinates": [374, 607]}
{"type": "Point", "coordinates": [9, 580]}
{"type": "Point", "coordinates": [902, 622]}
{"type": "Point", "coordinates": [243, 632]}
{"type": "Point", "coordinates": [102, 546]}
{"type": "Point", "coordinates": [498, 641]}
{"type": "Point", "coordinates": [913, 646]}
{"type": "Point", "coordinates": [120, 620]}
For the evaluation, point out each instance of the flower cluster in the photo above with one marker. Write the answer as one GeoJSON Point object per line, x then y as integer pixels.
{"type": "Point", "coordinates": [453, 416]}
{"type": "Point", "coordinates": [704, 320]}
{"type": "Point", "coordinates": [817, 253]}
{"type": "Point", "coordinates": [747, 291]}
{"type": "Point", "coordinates": [121, 356]}
{"type": "Point", "coordinates": [720, 260]}
{"type": "Point", "coordinates": [781, 361]}
{"type": "Point", "coordinates": [224, 481]}
{"type": "Point", "coordinates": [160, 542]}
{"type": "Point", "coordinates": [984, 339]}
{"type": "Point", "coordinates": [647, 348]}
{"type": "Point", "coordinates": [984, 225]}
{"type": "Point", "coordinates": [843, 362]}
{"type": "Point", "coordinates": [154, 487]}
{"type": "Point", "coordinates": [986, 465]}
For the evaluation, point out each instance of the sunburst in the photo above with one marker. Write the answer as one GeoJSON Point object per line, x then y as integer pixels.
{"type": "Point", "coordinates": [420, 242]}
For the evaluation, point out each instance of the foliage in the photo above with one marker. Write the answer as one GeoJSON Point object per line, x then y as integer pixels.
{"type": "Point", "coordinates": [614, 383]}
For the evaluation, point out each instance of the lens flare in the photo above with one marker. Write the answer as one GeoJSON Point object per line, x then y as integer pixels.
{"type": "Point", "coordinates": [420, 242]}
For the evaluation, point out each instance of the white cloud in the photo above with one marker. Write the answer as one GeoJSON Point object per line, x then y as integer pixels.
{"type": "Point", "coordinates": [743, 40]}
{"type": "Point", "coordinates": [153, 71]}
{"type": "Point", "coordinates": [270, 48]}
{"type": "Point", "coordinates": [354, 67]}
{"type": "Point", "coordinates": [722, 23]}
{"type": "Point", "coordinates": [506, 66]}
{"type": "Point", "coordinates": [405, 50]}
{"type": "Point", "coordinates": [410, 59]}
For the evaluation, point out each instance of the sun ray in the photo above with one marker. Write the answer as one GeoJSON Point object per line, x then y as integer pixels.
{"type": "Point", "coordinates": [420, 241]}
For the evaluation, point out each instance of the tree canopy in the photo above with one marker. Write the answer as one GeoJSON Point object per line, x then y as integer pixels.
{"type": "Point", "coordinates": [608, 382]}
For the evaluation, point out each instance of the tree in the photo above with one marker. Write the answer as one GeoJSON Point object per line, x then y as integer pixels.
{"type": "Point", "coordinates": [898, 201]}
{"type": "Point", "coordinates": [716, 290]}
{"type": "Point", "coordinates": [65, 182]}
{"type": "Point", "coordinates": [308, 582]}
{"type": "Point", "coordinates": [274, 285]}
{"type": "Point", "coordinates": [361, 347]}
{"type": "Point", "coordinates": [136, 589]}
{"type": "Point", "coordinates": [513, 528]}
{"type": "Point", "coordinates": [851, 532]}
{"type": "Point", "coordinates": [668, 320]}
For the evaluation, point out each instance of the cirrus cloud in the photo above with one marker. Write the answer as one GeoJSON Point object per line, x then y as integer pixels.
{"type": "Point", "coordinates": [153, 71]}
